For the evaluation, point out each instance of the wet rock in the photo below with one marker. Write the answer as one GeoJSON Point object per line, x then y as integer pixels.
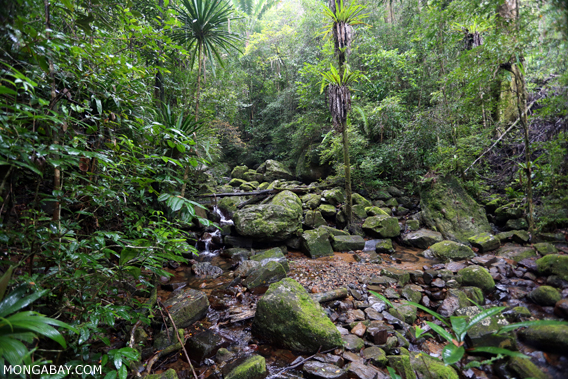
{"type": "Point", "coordinates": [545, 248]}
{"type": "Point", "coordinates": [376, 355]}
{"type": "Point", "coordinates": [381, 226]}
{"type": "Point", "coordinates": [412, 225]}
{"type": "Point", "coordinates": [446, 250]}
{"type": "Point", "coordinates": [553, 264]}
{"type": "Point", "coordinates": [473, 293]}
{"type": "Point", "coordinates": [315, 243]}
{"type": "Point", "coordinates": [334, 196]}
{"type": "Point", "coordinates": [203, 345]}
{"type": "Point", "coordinates": [373, 314]}
{"type": "Point", "coordinates": [449, 306]}
{"type": "Point", "coordinates": [422, 238]}
{"type": "Point", "coordinates": [236, 241]}
{"type": "Point", "coordinates": [277, 220]}
{"type": "Point", "coordinates": [377, 304]}
{"type": "Point", "coordinates": [187, 306]}
{"type": "Point", "coordinates": [355, 315]}
{"type": "Point", "coordinates": [205, 270]}
{"type": "Point", "coordinates": [330, 358]}
{"type": "Point", "coordinates": [357, 370]}
{"type": "Point", "coordinates": [545, 295]}
{"type": "Point", "coordinates": [321, 370]}
{"type": "Point", "coordinates": [327, 210]}
{"type": "Point", "coordinates": [429, 276]}
{"type": "Point", "coordinates": [428, 368]}
{"type": "Point", "coordinates": [287, 316]}
{"type": "Point", "coordinates": [352, 342]}
{"type": "Point", "coordinates": [273, 170]}
{"type": "Point", "coordinates": [266, 274]}
{"type": "Point", "coordinates": [223, 355]}
{"type": "Point", "coordinates": [518, 236]}
{"type": "Point", "coordinates": [166, 338]}
{"type": "Point", "coordinates": [311, 200]}
{"type": "Point", "coordinates": [551, 338]}
{"type": "Point", "coordinates": [253, 367]}
{"type": "Point", "coordinates": [347, 243]}
{"type": "Point", "coordinates": [485, 242]}
{"type": "Point", "coordinates": [561, 309]}
{"type": "Point", "coordinates": [404, 312]}
{"type": "Point", "coordinates": [516, 253]}
{"type": "Point", "coordinates": [236, 251]}
{"type": "Point", "coordinates": [401, 364]}
{"type": "Point", "coordinates": [169, 374]}
{"type": "Point", "coordinates": [400, 275]}
{"type": "Point", "coordinates": [525, 369]}
{"type": "Point", "coordinates": [483, 333]}
{"type": "Point", "coordinates": [477, 276]}
{"type": "Point", "coordinates": [379, 334]}
{"type": "Point", "coordinates": [384, 246]}
{"type": "Point", "coordinates": [390, 293]}
{"type": "Point", "coordinates": [314, 219]}
{"type": "Point", "coordinates": [439, 283]}
{"type": "Point", "coordinates": [246, 267]}
{"type": "Point", "coordinates": [275, 254]}
{"type": "Point", "coordinates": [351, 357]}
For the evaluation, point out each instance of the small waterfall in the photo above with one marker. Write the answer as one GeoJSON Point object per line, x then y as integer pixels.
{"type": "Point", "coordinates": [224, 221]}
{"type": "Point", "coordinates": [207, 238]}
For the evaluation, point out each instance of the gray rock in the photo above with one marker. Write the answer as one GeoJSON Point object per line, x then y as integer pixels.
{"type": "Point", "coordinates": [321, 370]}
{"type": "Point", "coordinates": [485, 242]}
{"type": "Point", "coordinates": [381, 226]}
{"type": "Point", "coordinates": [314, 219]}
{"type": "Point", "coordinates": [422, 238]}
{"type": "Point", "coordinates": [315, 243]}
{"type": "Point", "coordinates": [273, 170]}
{"type": "Point", "coordinates": [187, 306]}
{"type": "Point", "coordinates": [270, 272]}
{"type": "Point", "coordinates": [347, 243]}
{"type": "Point", "coordinates": [274, 254]}
{"type": "Point", "coordinates": [451, 250]}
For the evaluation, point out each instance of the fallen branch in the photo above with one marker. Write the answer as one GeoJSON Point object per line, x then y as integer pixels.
{"type": "Point", "coordinates": [339, 293]}
{"type": "Point", "coordinates": [262, 192]}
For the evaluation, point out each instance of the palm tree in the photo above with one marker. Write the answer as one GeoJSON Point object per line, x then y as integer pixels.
{"type": "Point", "coordinates": [205, 32]}
{"type": "Point", "coordinates": [254, 9]}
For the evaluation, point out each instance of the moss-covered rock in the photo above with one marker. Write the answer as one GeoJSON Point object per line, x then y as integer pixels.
{"type": "Point", "coordinates": [515, 252]}
{"type": "Point", "coordinates": [315, 243]}
{"type": "Point", "coordinates": [402, 276]}
{"type": "Point", "coordinates": [477, 276]}
{"type": "Point", "coordinates": [333, 231]}
{"type": "Point", "coordinates": [253, 367]}
{"type": "Point", "coordinates": [404, 312]}
{"type": "Point", "coordinates": [525, 369]}
{"type": "Point", "coordinates": [327, 210]}
{"type": "Point", "coordinates": [376, 355]}
{"type": "Point", "coordinates": [334, 196]}
{"type": "Point", "coordinates": [321, 370]}
{"type": "Point", "coordinates": [314, 219]}
{"type": "Point", "coordinates": [484, 333]}
{"type": "Point", "coordinates": [375, 211]}
{"type": "Point", "coordinates": [347, 243]}
{"type": "Point", "coordinates": [451, 250]}
{"type": "Point", "coordinates": [401, 364]}
{"type": "Point", "coordinates": [236, 252]}
{"type": "Point", "coordinates": [187, 306]}
{"type": "Point", "coordinates": [508, 212]}
{"type": "Point", "coordinates": [253, 176]}
{"type": "Point", "coordinates": [228, 205]}
{"type": "Point", "coordinates": [273, 170]}
{"type": "Point", "coordinates": [412, 225]}
{"type": "Point", "coordinates": [204, 344]}
{"type": "Point", "coordinates": [381, 226]}
{"type": "Point", "coordinates": [263, 186]}
{"type": "Point", "coordinates": [545, 295]}
{"type": "Point", "coordinates": [473, 293]}
{"type": "Point", "coordinates": [422, 238]}
{"type": "Point", "coordinates": [236, 182]}
{"type": "Point", "coordinates": [545, 248]}
{"type": "Point", "coordinates": [382, 194]}
{"type": "Point", "coordinates": [518, 236]}
{"type": "Point", "coordinates": [485, 242]}
{"type": "Point", "coordinates": [358, 199]}
{"type": "Point", "coordinates": [169, 374]}
{"type": "Point", "coordinates": [553, 264]}
{"type": "Point", "coordinates": [517, 224]}
{"type": "Point", "coordinates": [311, 200]}
{"type": "Point", "coordinates": [287, 316]}
{"type": "Point", "coordinates": [274, 254]}
{"type": "Point", "coordinates": [265, 274]}
{"type": "Point", "coordinates": [551, 338]}
{"type": "Point", "coordinates": [427, 367]}
{"type": "Point", "coordinates": [239, 171]}
{"type": "Point", "coordinates": [276, 221]}
{"type": "Point", "coordinates": [248, 186]}
{"type": "Point", "coordinates": [448, 209]}
{"type": "Point", "coordinates": [391, 203]}
{"type": "Point", "coordinates": [412, 292]}
{"type": "Point", "coordinates": [352, 343]}
{"type": "Point", "coordinates": [384, 246]}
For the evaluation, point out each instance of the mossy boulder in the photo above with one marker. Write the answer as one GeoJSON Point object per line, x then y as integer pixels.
{"type": "Point", "coordinates": [404, 312]}
{"type": "Point", "coordinates": [382, 194]}
{"type": "Point", "coordinates": [287, 316]}
{"type": "Point", "coordinates": [360, 200]}
{"type": "Point", "coordinates": [311, 200]}
{"type": "Point", "coordinates": [525, 369]}
{"type": "Point", "coordinates": [391, 203]}
{"type": "Point", "coordinates": [515, 252]}
{"type": "Point", "coordinates": [347, 243]}
{"type": "Point", "coordinates": [402, 276]}
{"type": "Point", "coordinates": [401, 364]}
{"type": "Point", "coordinates": [315, 243]}
{"type": "Point", "coordinates": [485, 242]}
{"type": "Point", "coordinates": [273, 170]}
{"type": "Point", "coordinates": [235, 182]}
{"type": "Point", "coordinates": [553, 264]}
{"type": "Point", "coordinates": [265, 274]}
{"type": "Point", "coordinates": [333, 231]}
{"type": "Point", "coordinates": [384, 246]}
{"type": "Point", "coordinates": [334, 196]}
{"type": "Point", "coordinates": [263, 186]}
{"type": "Point", "coordinates": [448, 209]}
{"type": "Point", "coordinates": [352, 343]}
{"type": "Point", "coordinates": [427, 367]}
{"type": "Point", "coordinates": [253, 367]}
{"type": "Point", "coordinates": [274, 254]}
{"type": "Point", "coordinates": [473, 293]}
{"type": "Point", "coordinates": [412, 292]}
{"type": "Point", "coordinates": [545, 248]}
{"type": "Point", "coordinates": [477, 276]}
{"type": "Point", "coordinates": [545, 295]}
{"type": "Point", "coordinates": [381, 226]}
{"type": "Point", "coordinates": [253, 176]}
{"type": "Point", "coordinates": [422, 238]}
{"type": "Point", "coordinates": [248, 186]}
{"type": "Point", "coordinates": [508, 212]}
{"type": "Point", "coordinates": [375, 211]}
{"type": "Point", "coordinates": [518, 236]}
{"type": "Point", "coordinates": [277, 220]}
{"type": "Point", "coordinates": [412, 225]}
{"type": "Point", "coordinates": [376, 355]}
{"type": "Point", "coordinates": [314, 219]}
{"type": "Point", "coordinates": [551, 338]}
{"type": "Point", "coordinates": [516, 224]}
{"type": "Point", "coordinates": [446, 250]}
{"type": "Point", "coordinates": [169, 374]}
{"type": "Point", "coordinates": [187, 306]}
{"type": "Point", "coordinates": [327, 210]}
{"type": "Point", "coordinates": [239, 171]}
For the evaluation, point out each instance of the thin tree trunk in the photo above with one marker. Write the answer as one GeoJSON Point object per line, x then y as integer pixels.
{"type": "Point", "coordinates": [347, 164]}
{"type": "Point", "coordinates": [198, 84]}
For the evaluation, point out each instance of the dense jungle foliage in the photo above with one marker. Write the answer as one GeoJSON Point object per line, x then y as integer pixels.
{"type": "Point", "coordinates": [115, 113]}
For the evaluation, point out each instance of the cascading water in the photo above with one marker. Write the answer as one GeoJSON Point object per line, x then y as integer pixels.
{"type": "Point", "coordinates": [223, 221]}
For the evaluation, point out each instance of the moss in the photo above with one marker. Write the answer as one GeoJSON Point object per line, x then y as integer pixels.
{"type": "Point", "coordinates": [327, 210]}
{"type": "Point", "coordinates": [473, 293]}
{"type": "Point", "coordinates": [484, 242]}
{"type": "Point", "coordinates": [334, 196]}
{"type": "Point", "coordinates": [401, 364]}
{"type": "Point", "coordinates": [451, 250]}
{"type": "Point", "coordinates": [375, 211]}
{"type": "Point", "coordinates": [402, 276]}
{"type": "Point", "coordinates": [391, 203]}
{"type": "Point", "coordinates": [377, 355]}
{"type": "Point", "coordinates": [406, 313]}
{"type": "Point", "coordinates": [315, 243]}
{"type": "Point", "coordinates": [252, 368]}
{"type": "Point", "coordinates": [428, 367]}
{"type": "Point", "coordinates": [381, 226]}
{"type": "Point", "coordinates": [413, 225]}
{"type": "Point", "coordinates": [360, 200]}
{"type": "Point", "coordinates": [384, 246]}
{"type": "Point", "coordinates": [545, 248]}
{"type": "Point", "coordinates": [552, 338]}
{"type": "Point", "coordinates": [169, 374]}
{"type": "Point", "coordinates": [545, 295]}
{"type": "Point", "coordinates": [239, 171]}
{"type": "Point", "coordinates": [311, 200]}
{"type": "Point", "coordinates": [314, 219]}
{"type": "Point", "coordinates": [525, 369]}
{"type": "Point", "coordinates": [553, 264]}
{"type": "Point", "coordinates": [477, 276]}
{"type": "Point", "coordinates": [262, 186]}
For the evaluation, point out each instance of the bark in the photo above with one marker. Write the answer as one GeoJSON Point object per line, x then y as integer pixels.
{"type": "Point", "coordinates": [347, 163]}
{"type": "Point", "coordinates": [340, 293]}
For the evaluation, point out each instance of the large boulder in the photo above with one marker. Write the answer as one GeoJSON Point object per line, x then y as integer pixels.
{"type": "Point", "coordinates": [239, 171]}
{"type": "Point", "coordinates": [273, 170]}
{"type": "Point", "coordinates": [315, 243]}
{"type": "Point", "coordinates": [314, 219]}
{"type": "Point", "coordinates": [334, 196]}
{"type": "Point", "coordinates": [427, 367]}
{"type": "Point", "coordinates": [381, 226]}
{"type": "Point", "coordinates": [551, 338]}
{"type": "Point", "coordinates": [287, 316]}
{"type": "Point", "coordinates": [187, 306]}
{"type": "Point", "coordinates": [422, 238]}
{"type": "Point", "coordinates": [267, 273]}
{"type": "Point", "coordinates": [448, 209]}
{"type": "Point", "coordinates": [553, 264]}
{"type": "Point", "coordinates": [276, 221]}
{"type": "Point", "coordinates": [477, 276]}
{"type": "Point", "coordinates": [451, 250]}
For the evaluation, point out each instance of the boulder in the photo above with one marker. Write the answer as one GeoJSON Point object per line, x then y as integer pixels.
{"type": "Point", "coordinates": [507, 212]}
{"type": "Point", "coordinates": [391, 203]}
{"type": "Point", "coordinates": [360, 200]}
{"type": "Point", "coordinates": [401, 364]}
{"type": "Point", "coordinates": [311, 200]}
{"type": "Point", "coordinates": [347, 243]}
{"type": "Point", "coordinates": [246, 268]}
{"type": "Point", "coordinates": [253, 367]}
{"type": "Point", "coordinates": [187, 306]}
{"type": "Point", "coordinates": [334, 196]}
{"type": "Point", "coordinates": [204, 345]}
{"type": "Point", "coordinates": [477, 276]}
{"type": "Point", "coordinates": [375, 211]}
{"type": "Point", "coordinates": [287, 316]}
{"type": "Point", "coordinates": [381, 226]}
{"type": "Point", "coordinates": [515, 252]}
{"type": "Point", "coordinates": [327, 210]}
{"type": "Point", "coordinates": [550, 338]}
{"type": "Point", "coordinates": [451, 250]}
{"type": "Point", "coordinates": [553, 264]}
{"type": "Point", "coordinates": [265, 274]}
{"type": "Point", "coordinates": [518, 236]}
{"type": "Point", "coordinates": [237, 182]}
{"type": "Point", "coordinates": [314, 219]}
{"type": "Point", "coordinates": [448, 209]}
{"type": "Point", "coordinates": [276, 221]}
{"type": "Point", "coordinates": [228, 205]}
{"type": "Point", "coordinates": [321, 370]}
{"type": "Point", "coordinates": [274, 254]}
{"type": "Point", "coordinates": [484, 333]}
{"type": "Point", "coordinates": [253, 176]}
{"type": "Point", "coordinates": [545, 295]}
{"type": "Point", "coordinates": [545, 248]}
{"type": "Point", "coordinates": [484, 242]}
{"type": "Point", "coordinates": [333, 231]}
{"type": "Point", "coordinates": [382, 194]}
{"type": "Point", "coordinates": [427, 367]}
{"type": "Point", "coordinates": [384, 246]}
{"type": "Point", "coordinates": [422, 238]}
{"type": "Point", "coordinates": [376, 355]}
{"type": "Point", "coordinates": [315, 243]}
{"type": "Point", "coordinates": [525, 369]}
{"type": "Point", "coordinates": [516, 224]}
{"type": "Point", "coordinates": [273, 170]}
{"type": "Point", "coordinates": [412, 225]}
{"type": "Point", "coordinates": [239, 171]}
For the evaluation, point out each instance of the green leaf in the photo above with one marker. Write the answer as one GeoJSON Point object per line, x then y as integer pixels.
{"type": "Point", "coordinates": [452, 354]}
{"type": "Point", "coordinates": [483, 315]}
{"type": "Point", "coordinates": [4, 280]}
{"type": "Point", "coordinates": [498, 350]}
{"type": "Point", "coordinates": [441, 331]}
{"type": "Point", "coordinates": [122, 372]}
{"type": "Point", "coordinates": [459, 326]}
{"type": "Point", "coordinates": [7, 90]}
{"type": "Point", "coordinates": [126, 255]}
{"type": "Point", "coordinates": [508, 328]}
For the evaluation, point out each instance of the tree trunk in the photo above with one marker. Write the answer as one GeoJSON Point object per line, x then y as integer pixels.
{"type": "Point", "coordinates": [347, 164]}
{"type": "Point", "coordinates": [198, 83]}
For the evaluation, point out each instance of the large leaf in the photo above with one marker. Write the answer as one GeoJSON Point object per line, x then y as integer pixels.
{"type": "Point", "coordinates": [459, 326]}
{"type": "Point", "coordinates": [441, 331]}
{"type": "Point", "coordinates": [452, 354]}
{"type": "Point", "coordinates": [498, 350]}
{"type": "Point", "coordinates": [510, 327]}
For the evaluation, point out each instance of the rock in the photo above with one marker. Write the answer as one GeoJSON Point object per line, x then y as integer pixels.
{"type": "Point", "coordinates": [477, 276]}
{"type": "Point", "coordinates": [333, 231]}
{"type": "Point", "coordinates": [359, 329]}
{"type": "Point", "coordinates": [236, 241]}
{"type": "Point", "coordinates": [311, 200]}
{"type": "Point", "coordinates": [448, 209]}
{"type": "Point", "coordinates": [167, 338]}
{"type": "Point", "coordinates": [451, 250]}
{"type": "Point", "coordinates": [321, 370]}
{"type": "Point", "coordinates": [334, 196]}
{"type": "Point", "coordinates": [507, 212]}
{"type": "Point", "coordinates": [268, 273]}
{"type": "Point", "coordinates": [352, 342]}
{"type": "Point", "coordinates": [381, 226]}
{"type": "Point", "coordinates": [358, 212]}
{"type": "Point", "coordinates": [287, 316]}
{"type": "Point", "coordinates": [347, 243]}
{"type": "Point", "coordinates": [382, 194]}
{"type": "Point", "coordinates": [273, 170]}
{"type": "Point", "coordinates": [427, 367]}
{"type": "Point", "coordinates": [263, 186]}
{"type": "Point", "coordinates": [248, 186]}
{"type": "Point", "coordinates": [561, 309]}
{"type": "Point", "coordinates": [473, 293]}
{"type": "Point", "coordinates": [205, 270]}
{"type": "Point", "coordinates": [518, 236]}
{"type": "Point", "coordinates": [236, 251]}
{"type": "Point", "coordinates": [228, 205]}
{"type": "Point", "coordinates": [516, 253]}
{"type": "Point", "coordinates": [253, 367]}
{"type": "Point", "coordinates": [384, 246]}
{"type": "Point", "coordinates": [315, 243]}
{"type": "Point", "coordinates": [239, 171]}
{"type": "Point", "coordinates": [375, 211]}
{"type": "Point", "coordinates": [545, 295]}
{"type": "Point", "coordinates": [169, 374]}
{"type": "Point", "coordinates": [314, 219]}
{"type": "Point", "coordinates": [525, 369]}
{"type": "Point", "coordinates": [400, 275]}
{"type": "Point", "coordinates": [545, 248]}
{"type": "Point", "coordinates": [483, 333]}
{"type": "Point", "coordinates": [413, 225]}
{"type": "Point", "coordinates": [391, 203]}
{"type": "Point", "coordinates": [376, 355]}
{"type": "Point", "coordinates": [223, 355]}
{"type": "Point", "coordinates": [276, 221]}
{"type": "Point", "coordinates": [327, 210]}
{"type": "Point", "coordinates": [357, 370]}
{"type": "Point", "coordinates": [203, 345]}
{"type": "Point", "coordinates": [550, 338]}
{"type": "Point", "coordinates": [516, 224]}
{"type": "Point", "coordinates": [274, 254]}
{"type": "Point", "coordinates": [485, 242]}
{"type": "Point", "coordinates": [246, 267]}
{"type": "Point", "coordinates": [422, 238]}
{"type": "Point", "coordinates": [404, 312]}
{"type": "Point", "coordinates": [236, 182]}
{"type": "Point", "coordinates": [401, 364]}
{"type": "Point", "coordinates": [553, 264]}
{"type": "Point", "coordinates": [253, 176]}
{"type": "Point", "coordinates": [358, 199]}
{"type": "Point", "coordinates": [187, 306]}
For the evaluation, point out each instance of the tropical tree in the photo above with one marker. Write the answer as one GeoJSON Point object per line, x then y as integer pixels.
{"type": "Point", "coordinates": [255, 10]}
{"type": "Point", "coordinates": [342, 20]}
